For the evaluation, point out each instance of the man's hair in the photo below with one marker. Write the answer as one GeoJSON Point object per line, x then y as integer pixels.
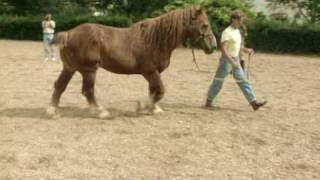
{"type": "Point", "coordinates": [47, 17]}
{"type": "Point", "coordinates": [237, 14]}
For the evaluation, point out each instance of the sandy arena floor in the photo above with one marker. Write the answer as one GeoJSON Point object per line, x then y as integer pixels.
{"type": "Point", "coordinates": [280, 142]}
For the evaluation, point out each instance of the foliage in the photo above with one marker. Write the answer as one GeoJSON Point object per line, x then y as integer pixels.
{"type": "Point", "coordinates": [275, 36]}
{"type": "Point", "coordinates": [29, 7]}
{"type": "Point", "coordinates": [40, 7]}
{"type": "Point", "coordinates": [137, 9]}
{"type": "Point", "coordinates": [29, 28]}
{"type": "Point", "coordinates": [307, 9]}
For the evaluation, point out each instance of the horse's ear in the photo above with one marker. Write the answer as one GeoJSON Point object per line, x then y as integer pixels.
{"type": "Point", "coordinates": [198, 11]}
{"type": "Point", "coordinates": [143, 25]}
{"type": "Point", "coordinates": [198, 8]}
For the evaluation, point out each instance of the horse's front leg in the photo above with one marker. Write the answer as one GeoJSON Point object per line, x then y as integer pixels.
{"type": "Point", "coordinates": [88, 83]}
{"type": "Point", "coordinates": [59, 87]}
{"type": "Point", "coordinates": [156, 92]}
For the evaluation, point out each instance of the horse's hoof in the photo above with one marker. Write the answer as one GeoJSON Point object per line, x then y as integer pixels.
{"type": "Point", "coordinates": [52, 112]}
{"type": "Point", "coordinates": [157, 110]}
{"type": "Point", "coordinates": [143, 108]}
{"type": "Point", "coordinates": [104, 114]}
{"type": "Point", "coordinates": [56, 116]}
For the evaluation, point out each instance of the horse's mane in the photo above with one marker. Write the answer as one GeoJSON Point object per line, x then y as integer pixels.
{"type": "Point", "coordinates": [165, 31]}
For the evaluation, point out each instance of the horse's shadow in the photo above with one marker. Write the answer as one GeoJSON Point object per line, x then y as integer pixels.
{"type": "Point", "coordinates": [67, 112]}
{"type": "Point", "coordinates": [84, 113]}
{"type": "Point", "coordinates": [35, 113]}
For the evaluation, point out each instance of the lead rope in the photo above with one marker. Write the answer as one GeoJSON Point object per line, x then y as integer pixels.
{"type": "Point", "coordinates": [194, 59]}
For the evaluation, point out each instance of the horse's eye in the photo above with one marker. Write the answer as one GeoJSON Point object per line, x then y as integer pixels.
{"type": "Point", "coordinates": [205, 26]}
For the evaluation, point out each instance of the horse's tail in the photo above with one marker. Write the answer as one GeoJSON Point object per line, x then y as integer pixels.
{"type": "Point", "coordinates": [60, 39]}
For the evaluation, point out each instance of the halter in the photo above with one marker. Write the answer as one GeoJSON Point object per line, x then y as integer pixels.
{"type": "Point", "coordinates": [201, 37]}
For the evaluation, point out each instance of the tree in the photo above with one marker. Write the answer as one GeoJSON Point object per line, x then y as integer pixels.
{"type": "Point", "coordinates": [307, 9]}
{"type": "Point", "coordinates": [138, 9]}
{"type": "Point", "coordinates": [31, 7]}
{"type": "Point", "coordinates": [40, 7]}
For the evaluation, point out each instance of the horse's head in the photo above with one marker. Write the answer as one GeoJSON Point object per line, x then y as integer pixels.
{"type": "Point", "coordinates": [200, 31]}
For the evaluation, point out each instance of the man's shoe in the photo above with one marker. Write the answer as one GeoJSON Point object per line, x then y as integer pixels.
{"type": "Point", "coordinates": [256, 105]}
{"type": "Point", "coordinates": [208, 104]}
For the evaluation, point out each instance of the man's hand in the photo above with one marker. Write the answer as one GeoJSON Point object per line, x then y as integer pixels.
{"type": "Point", "coordinates": [248, 50]}
{"type": "Point", "coordinates": [235, 63]}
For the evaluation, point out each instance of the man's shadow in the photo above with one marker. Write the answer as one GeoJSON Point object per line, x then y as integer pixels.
{"type": "Point", "coordinates": [198, 107]}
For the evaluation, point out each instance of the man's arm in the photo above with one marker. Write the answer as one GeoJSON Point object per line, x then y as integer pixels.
{"type": "Point", "coordinates": [43, 24]}
{"type": "Point", "coordinates": [53, 24]}
{"type": "Point", "coordinates": [247, 50]}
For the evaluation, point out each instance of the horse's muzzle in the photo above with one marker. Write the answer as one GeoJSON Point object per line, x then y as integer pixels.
{"type": "Point", "coordinates": [209, 50]}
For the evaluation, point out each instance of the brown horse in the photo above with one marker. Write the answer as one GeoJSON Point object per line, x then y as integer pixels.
{"type": "Point", "coordinates": [144, 48]}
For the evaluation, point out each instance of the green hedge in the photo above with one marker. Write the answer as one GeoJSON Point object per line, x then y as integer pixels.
{"type": "Point", "coordinates": [282, 37]}
{"type": "Point", "coordinates": [29, 28]}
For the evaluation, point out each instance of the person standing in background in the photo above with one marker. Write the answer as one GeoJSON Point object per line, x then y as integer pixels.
{"type": "Point", "coordinates": [48, 26]}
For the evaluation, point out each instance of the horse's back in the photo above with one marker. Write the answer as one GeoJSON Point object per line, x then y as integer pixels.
{"type": "Point", "coordinates": [91, 34]}
{"type": "Point", "coordinates": [94, 44]}
{"type": "Point", "coordinates": [82, 47]}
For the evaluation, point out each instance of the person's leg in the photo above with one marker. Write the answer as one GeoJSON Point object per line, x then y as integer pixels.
{"type": "Point", "coordinates": [217, 83]}
{"type": "Point", "coordinates": [52, 50]}
{"type": "Point", "coordinates": [46, 46]}
{"type": "Point", "coordinates": [244, 84]}
{"type": "Point", "coordinates": [246, 88]}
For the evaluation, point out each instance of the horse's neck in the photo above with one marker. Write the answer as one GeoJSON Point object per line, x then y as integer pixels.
{"type": "Point", "coordinates": [163, 34]}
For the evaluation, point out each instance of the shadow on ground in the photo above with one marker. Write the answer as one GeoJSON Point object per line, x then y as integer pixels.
{"type": "Point", "coordinates": [69, 112]}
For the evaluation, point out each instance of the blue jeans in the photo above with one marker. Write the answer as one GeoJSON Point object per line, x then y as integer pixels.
{"type": "Point", "coordinates": [47, 40]}
{"type": "Point", "coordinates": [223, 71]}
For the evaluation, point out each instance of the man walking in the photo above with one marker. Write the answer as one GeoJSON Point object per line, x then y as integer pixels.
{"type": "Point", "coordinates": [230, 48]}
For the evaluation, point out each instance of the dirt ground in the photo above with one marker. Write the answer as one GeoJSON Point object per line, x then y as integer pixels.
{"type": "Point", "coordinates": [280, 142]}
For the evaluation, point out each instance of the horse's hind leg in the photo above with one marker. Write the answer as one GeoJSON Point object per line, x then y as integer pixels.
{"type": "Point", "coordinates": [88, 83]}
{"type": "Point", "coordinates": [156, 90]}
{"type": "Point", "coordinates": [59, 87]}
